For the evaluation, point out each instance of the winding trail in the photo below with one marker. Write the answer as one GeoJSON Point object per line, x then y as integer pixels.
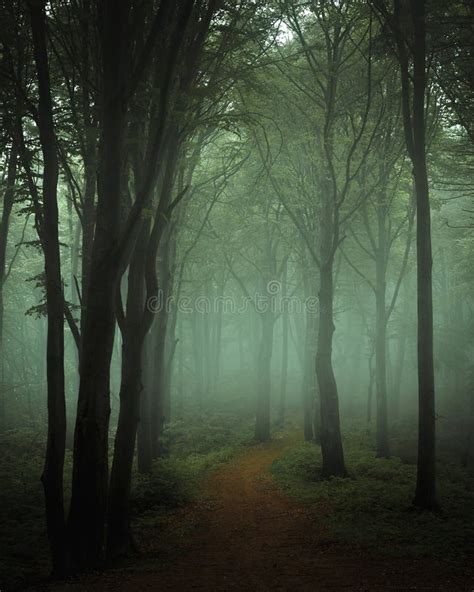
{"type": "Point", "coordinates": [246, 536]}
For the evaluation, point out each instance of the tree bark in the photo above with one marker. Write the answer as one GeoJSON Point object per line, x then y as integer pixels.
{"type": "Point", "coordinates": [119, 541]}
{"type": "Point", "coordinates": [284, 348]}
{"type": "Point", "coordinates": [90, 469]}
{"type": "Point", "coordinates": [262, 424]}
{"type": "Point", "coordinates": [52, 477]}
{"type": "Point", "coordinates": [144, 447]}
{"type": "Point", "coordinates": [331, 440]}
{"type": "Point", "coordinates": [309, 378]}
{"type": "Point", "coordinates": [415, 128]}
{"type": "Point", "coordinates": [382, 444]}
{"type": "Point", "coordinates": [8, 199]}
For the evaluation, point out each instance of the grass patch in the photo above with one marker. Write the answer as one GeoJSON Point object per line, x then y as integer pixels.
{"type": "Point", "coordinates": [372, 510]}
{"type": "Point", "coordinates": [192, 448]}
{"type": "Point", "coordinates": [23, 541]}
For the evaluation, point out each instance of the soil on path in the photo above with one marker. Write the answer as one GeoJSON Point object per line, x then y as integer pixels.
{"type": "Point", "coordinates": [247, 536]}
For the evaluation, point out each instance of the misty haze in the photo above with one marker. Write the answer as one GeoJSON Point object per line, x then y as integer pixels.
{"type": "Point", "coordinates": [236, 295]}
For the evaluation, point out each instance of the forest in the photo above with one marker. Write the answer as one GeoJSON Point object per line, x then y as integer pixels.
{"type": "Point", "coordinates": [236, 295]}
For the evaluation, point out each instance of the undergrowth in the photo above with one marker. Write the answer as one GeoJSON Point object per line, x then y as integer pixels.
{"type": "Point", "coordinates": [192, 448]}
{"type": "Point", "coordinates": [372, 508]}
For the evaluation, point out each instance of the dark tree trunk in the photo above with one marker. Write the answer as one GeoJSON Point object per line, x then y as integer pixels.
{"type": "Point", "coordinates": [90, 469]}
{"type": "Point", "coordinates": [144, 446]}
{"type": "Point", "coordinates": [217, 341]}
{"type": "Point", "coordinates": [382, 444]}
{"type": "Point", "coordinates": [8, 199]}
{"type": "Point", "coordinates": [198, 357]}
{"type": "Point", "coordinates": [88, 217]}
{"type": "Point", "coordinates": [49, 234]}
{"type": "Point", "coordinates": [309, 377]}
{"type": "Point", "coordinates": [119, 540]}
{"type": "Point", "coordinates": [180, 389]}
{"type": "Point", "coordinates": [157, 404]}
{"type": "Point", "coordinates": [415, 129]}
{"type": "Point", "coordinates": [90, 151]}
{"type": "Point", "coordinates": [398, 375]}
{"type": "Point", "coordinates": [264, 361]}
{"type": "Point", "coordinates": [284, 348]}
{"type": "Point", "coordinates": [331, 441]}
{"type": "Point", "coordinates": [370, 389]}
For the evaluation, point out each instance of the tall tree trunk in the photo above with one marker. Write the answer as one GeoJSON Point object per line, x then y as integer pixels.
{"type": "Point", "coordinates": [144, 445]}
{"type": "Point", "coordinates": [217, 341]}
{"type": "Point", "coordinates": [180, 393]}
{"type": "Point", "coordinates": [309, 377]}
{"type": "Point", "coordinates": [331, 440]}
{"type": "Point", "coordinates": [157, 415]}
{"type": "Point", "coordinates": [8, 199]}
{"type": "Point", "coordinates": [49, 234]}
{"type": "Point", "coordinates": [158, 403]}
{"type": "Point", "coordinates": [119, 541]}
{"type": "Point", "coordinates": [382, 444]}
{"type": "Point", "coordinates": [284, 347]}
{"type": "Point", "coordinates": [415, 129]}
{"type": "Point", "coordinates": [370, 389]}
{"type": "Point", "coordinates": [198, 359]}
{"type": "Point", "coordinates": [398, 375]}
{"type": "Point", "coordinates": [119, 536]}
{"type": "Point", "coordinates": [90, 469]}
{"type": "Point", "coordinates": [264, 361]}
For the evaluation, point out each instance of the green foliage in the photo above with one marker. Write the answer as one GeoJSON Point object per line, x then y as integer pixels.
{"type": "Point", "coordinates": [194, 448]}
{"type": "Point", "coordinates": [371, 509]}
{"type": "Point", "coordinates": [23, 543]}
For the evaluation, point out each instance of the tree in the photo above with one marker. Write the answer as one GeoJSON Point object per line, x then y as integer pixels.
{"type": "Point", "coordinates": [47, 220]}
{"type": "Point", "coordinates": [408, 25]}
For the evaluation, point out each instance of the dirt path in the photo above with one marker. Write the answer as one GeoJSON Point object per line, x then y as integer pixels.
{"type": "Point", "coordinates": [248, 537]}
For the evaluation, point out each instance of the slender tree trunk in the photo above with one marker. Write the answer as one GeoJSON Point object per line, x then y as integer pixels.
{"type": "Point", "coordinates": [119, 536]}
{"type": "Point", "coordinates": [180, 393]}
{"type": "Point", "coordinates": [425, 495]}
{"type": "Point", "coordinates": [382, 444]}
{"type": "Point", "coordinates": [206, 352]}
{"type": "Point", "coordinates": [8, 199]}
{"type": "Point", "coordinates": [144, 446]}
{"type": "Point", "coordinates": [158, 403]}
{"type": "Point", "coordinates": [262, 425]}
{"type": "Point", "coordinates": [119, 541]}
{"type": "Point", "coordinates": [284, 347]}
{"type": "Point", "coordinates": [54, 464]}
{"type": "Point", "coordinates": [90, 149]}
{"type": "Point", "coordinates": [398, 375]}
{"type": "Point", "coordinates": [415, 129]}
{"type": "Point", "coordinates": [198, 357]}
{"type": "Point", "coordinates": [331, 441]}
{"type": "Point", "coordinates": [217, 342]}
{"type": "Point", "coordinates": [370, 389]}
{"type": "Point", "coordinates": [309, 377]}
{"type": "Point", "coordinates": [88, 216]}
{"type": "Point", "coordinates": [157, 395]}
{"type": "Point", "coordinates": [241, 348]}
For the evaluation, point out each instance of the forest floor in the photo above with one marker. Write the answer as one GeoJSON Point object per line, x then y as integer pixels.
{"type": "Point", "coordinates": [245, 534]}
